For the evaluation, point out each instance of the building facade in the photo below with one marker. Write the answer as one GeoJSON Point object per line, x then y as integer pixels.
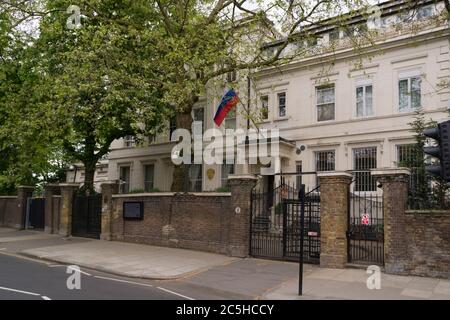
{"type": "Point", "coordinates": [336, 109]}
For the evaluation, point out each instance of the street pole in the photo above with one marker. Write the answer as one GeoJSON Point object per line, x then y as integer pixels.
{"type": "Point", "coordinates": [302, 228]}
{"type": "Point", "coordinates": [246, 168]}
{"type": "Point", "coordinates": [248, 102]}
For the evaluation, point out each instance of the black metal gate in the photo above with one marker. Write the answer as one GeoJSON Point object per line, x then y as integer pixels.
{"type": "Point", "coordinates": [86, 216]}
{"type": "Point", "coordinates": [275, 224]}
{"type": "Point", "coordinates": [365, 236]}
{"type": "Point", "coordinates": [36, 213]}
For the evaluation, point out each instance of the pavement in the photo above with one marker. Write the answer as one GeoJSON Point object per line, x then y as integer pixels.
{"type": "Point", "coordinates": [351, 284]}
{"type": "Point", "coordinates": [131, 260]}
{"type": "Point", "coordinates": [201, 275]}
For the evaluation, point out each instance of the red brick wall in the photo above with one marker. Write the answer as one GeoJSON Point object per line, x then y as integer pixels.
{"type": "Point", "coordinates": [10, 214]}
{"type": "Point", "coordinates": [183, 221]}
{"type": "Point", "coordinates": [428, 242]}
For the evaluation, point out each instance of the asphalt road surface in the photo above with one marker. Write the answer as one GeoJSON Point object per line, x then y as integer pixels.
{"type": "Point", "coordinates": [23, 279]}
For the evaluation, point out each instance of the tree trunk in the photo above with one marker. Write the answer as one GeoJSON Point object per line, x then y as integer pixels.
{"type": "Point", "coordinates": [181, 181]}
{"type": "Point", "coordinates": [89, 172]}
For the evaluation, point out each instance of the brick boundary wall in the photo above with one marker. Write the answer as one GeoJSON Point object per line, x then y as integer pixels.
{"type": "Point", "coordinates": [415, 242]}
{"type": "Point", "coordinates": [428, 243]}
{"type": "Point", "coordinates": [182, 221]}
{"type": "Point", "coordinates": [10, 214]}
{"type": "Point", "coordinates": [213, 222]}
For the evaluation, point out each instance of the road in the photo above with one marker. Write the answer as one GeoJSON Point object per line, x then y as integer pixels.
{"type": "Point", "coordinates": [24, 279]}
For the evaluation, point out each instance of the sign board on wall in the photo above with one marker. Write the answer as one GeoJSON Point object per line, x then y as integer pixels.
{"type": "Point", "coordinates": [133, 210]}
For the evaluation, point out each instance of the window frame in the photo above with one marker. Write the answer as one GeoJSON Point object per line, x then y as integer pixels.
{"type": "Point", "coordinates": [315, 161]}
{"type": "Point", "coordinates": [371, 180]}
{"type": "Point", "coordinates": [322, 87]}
{"type": "Point", "coordinates": [298, 178]}
{"type": "Point", "coordinates": [145, 176]}
{"type": "Point", "coordinates": [364, 85]}
{"type": "Point", "coordinates": [196, 109]}
{"type": "Point", "coordinates": [408, 78]}
{"type": "Point", "coordinates": [129, 141]}
{"type": "Point", "coordinates": [192, 186]}
{"type": "Point", "coordinates": [279, 95]}
{"type": "Point", "coordinates": [126, 186]}
{"type": "Point", "coordinates": [262, 107]}
{"type": "Point", "coordinates": [231, 117]}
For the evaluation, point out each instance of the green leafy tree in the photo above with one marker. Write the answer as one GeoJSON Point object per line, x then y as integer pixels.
{"type": "Point", "coordinates": [425, 190]}
{"type": "Point", "coordinates": [92, 84]}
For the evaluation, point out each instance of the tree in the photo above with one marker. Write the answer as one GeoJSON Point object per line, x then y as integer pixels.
{"type": "Point", "coordinates": [24, 153]}
{"type": "Point", "coordinates": [140, 62]}
{"type": "Point", "coordinates": [425, 190]}
{"type": "Point", "coordinates": [93, 84]}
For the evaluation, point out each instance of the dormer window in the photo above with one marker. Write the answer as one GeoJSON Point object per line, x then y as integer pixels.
{"type": "Point", "coordinates": [424, 12]}
{"type": "Point", "coordinates": [129, 141]}
{"type": "Point", "coordinates": [334, 35]}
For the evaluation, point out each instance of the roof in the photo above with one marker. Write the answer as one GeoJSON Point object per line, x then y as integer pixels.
{"type": "Point", "coordinates": [356, 17]}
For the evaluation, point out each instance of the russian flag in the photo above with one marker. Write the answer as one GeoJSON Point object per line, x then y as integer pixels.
{"type": "Point", "coordinates": [229, 100]}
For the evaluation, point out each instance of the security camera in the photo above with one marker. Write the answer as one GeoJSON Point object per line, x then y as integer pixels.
{"type": "Point", "coordinates": [300, 149]}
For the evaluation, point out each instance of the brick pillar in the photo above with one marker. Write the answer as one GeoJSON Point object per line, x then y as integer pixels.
{"type": "Point", "coordinates": [334, 192]}
{"type": "Point", "coordinates": [108, 189]}
{"type": "Point", "coordinates": [240, 215]}
{"type": "Point", "coordinates": [395, 195]}
{"type": "Point", "coordinates": [23, 193]}
{"type": "Point", "coordinates": [50, 190]}
{"type": "Point", "coordinates": [67, 194]}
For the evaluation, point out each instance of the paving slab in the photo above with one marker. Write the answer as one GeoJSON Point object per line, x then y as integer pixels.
{"type": "Point", "coordinates": [13, 235]}
{"type": "Point", "coordinates": [131, 260]}
{"type": "Point", "coordinates": [350, 284]}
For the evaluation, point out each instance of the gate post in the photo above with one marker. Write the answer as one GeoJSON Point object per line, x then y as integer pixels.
{"type": "Point", "coordinates": [23, 193]}
{"type": "Point", "coordinates": [108, 189]}
{"type": "Point", "coordinates": [67, 195]}
{"type": "Point", "coordinates": [395, 195]}
{"type": "Point", "coordinates": [50, 190]}
{"type": "Point", "coordinates": [240, 214]}
{"type": "Point", "coordinates": [334, 191]}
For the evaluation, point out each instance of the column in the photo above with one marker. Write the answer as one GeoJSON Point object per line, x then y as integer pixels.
{"type": "Point", "coordinates": [108, 189]}
{"type": "Point", "coordinates": [334, 194]}
{"type": "Point", "coordinates": [240, 214]}
{"type": "Point", "coordinates": [50, 190]}
{"type": "Point", "coordinates": [395, 194]}
{"type": "Point", "coordinates": [67, 194]}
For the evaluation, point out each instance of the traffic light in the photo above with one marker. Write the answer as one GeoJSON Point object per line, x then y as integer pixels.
{"type": "Point", "coordinates": [441, 134]}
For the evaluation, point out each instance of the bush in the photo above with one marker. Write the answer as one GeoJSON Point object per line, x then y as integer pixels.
{"type": "Point", "coordinates": [137, 191]}
{"type": "Point", "coordinates": [144, 191]}
{"type": "Point", "coordinates": [223, 189]}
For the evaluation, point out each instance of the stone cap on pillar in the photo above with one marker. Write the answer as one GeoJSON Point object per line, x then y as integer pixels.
{"type": "Point", "coordinates": [390, 172]}
{"type": "Point", "coordinates": [343, 174]}
{"type": "Point", "coordinates": [242, 177]}
{"type": "Point", "coordinates": [71, 185]}
{"type": "Point", "coordinates": [52, 186]}
{"type": "Point", "coordinates": [26, 187]}
{"type": "Point", "coordinates": [110, 182]}
{"type": "Point", "coordinates": [333, 177]}
{"type": "Point", "coordinates": [111, 186]}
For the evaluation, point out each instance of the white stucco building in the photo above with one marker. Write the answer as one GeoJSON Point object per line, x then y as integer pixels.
{"type": "Point", "coordinates": [348, 111]}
